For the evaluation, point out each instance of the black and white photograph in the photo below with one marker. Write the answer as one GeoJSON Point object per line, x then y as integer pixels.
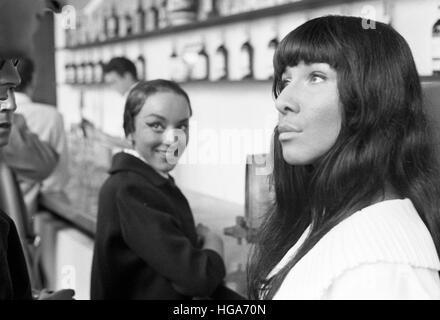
{"type": "Point", "coordinates": [219, 154]}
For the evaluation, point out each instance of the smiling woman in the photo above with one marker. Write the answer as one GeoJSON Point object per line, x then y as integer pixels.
{"type": "Point", "coordinates": [147, 245]}
{"type": "Point", "coordinates": [356, 212]}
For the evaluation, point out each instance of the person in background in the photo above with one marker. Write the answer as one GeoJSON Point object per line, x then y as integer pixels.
{"type": "Point", "coordinates": [120, 75]}
{"type": "Point", "coordinates": [147, 245]}
{"type": "Point", "coordinates": [356, 212]}
{"type": "Point", "coordinates": [45, 121]}
{"type": "Point", "coordinates": [18, 22]}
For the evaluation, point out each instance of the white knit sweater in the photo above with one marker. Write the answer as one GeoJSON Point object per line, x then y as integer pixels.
{"type": "Point", "coordinates": [383, 251]}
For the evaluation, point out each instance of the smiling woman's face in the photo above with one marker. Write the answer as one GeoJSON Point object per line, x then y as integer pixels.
{"type": "Point", "coordinates": [161, 128]}
{"type": "Point", "coordinates": [309, 112]}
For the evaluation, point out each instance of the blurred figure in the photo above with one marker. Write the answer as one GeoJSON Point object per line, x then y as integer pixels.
{"type": "Point", "coordinates": [18, 22]}
{"type": "Point", "coordinates": [45, 121]}
{"type": "Point", "coordinates": [121, 75]}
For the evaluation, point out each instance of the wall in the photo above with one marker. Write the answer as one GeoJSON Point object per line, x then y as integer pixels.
{"type": "Point", "coordinates": [246, 107]}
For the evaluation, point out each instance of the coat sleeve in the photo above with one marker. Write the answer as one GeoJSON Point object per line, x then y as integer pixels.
{"type": "Point", "coordinates": [156, 237]}
{"type": "Point", "coordinates": [17, 266]}
{"type": "Point", "coordinates": [26, 154]}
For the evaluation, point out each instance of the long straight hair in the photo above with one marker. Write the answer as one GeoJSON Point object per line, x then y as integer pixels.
{"type": "Point", "coordinates": [384, 141]}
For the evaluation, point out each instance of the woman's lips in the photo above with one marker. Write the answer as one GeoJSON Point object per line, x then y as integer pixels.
{"type": "Point", "coordinates": [287, 131]}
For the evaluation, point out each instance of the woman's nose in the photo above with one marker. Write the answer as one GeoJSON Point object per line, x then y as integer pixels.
{"type": "Point", "coordinates": [286, 103]}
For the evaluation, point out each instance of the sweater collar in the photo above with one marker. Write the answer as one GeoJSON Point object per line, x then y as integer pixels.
{"type": "Point", "coordinates": [123, 161]}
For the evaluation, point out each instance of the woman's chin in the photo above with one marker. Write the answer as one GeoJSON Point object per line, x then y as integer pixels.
{"type": "Point", "coordinates": [296, 160]}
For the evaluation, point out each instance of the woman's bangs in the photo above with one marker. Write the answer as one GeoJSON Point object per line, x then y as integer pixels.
{"type": "Point", "coordinates": [309, 44]}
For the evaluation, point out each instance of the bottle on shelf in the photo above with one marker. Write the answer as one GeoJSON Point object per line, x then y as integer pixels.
{"type": "Point", "coordinates": [214, 12]}
{"type": "Point", "coordinates": [73, 73]}
{"type": "Point", "coordinates": [163, 14]}
{"type": "Point", "coordinates": [152, 19]}
{"type": "Point", "coordinates": [139, 21]}
{"type": "Point", "coordinates": [67, 73]}
{"type": "Point", "coordinates": [112, 24]}
{"type": "Point", "coordinates": [80, 73]}
{"type": "Point", "coordinates": [97, 72]}
{"type": "Point", "coordinates": [436, 47]}
{"type": "Point", "coordinates": [247, 60]}
{"type": "Point", "coordinates": [141, 67]}
{"type": "Point", "coordinates": [201, 68]}
{"type": "Point", "coordinates": [270, 52]}
{"type": "Point", "coordinates": [178, 69]}
{"type": "Point", "coordinates": [220, 64]}
{"type": "Point", "coordinates": [125, 25]}
{"type": "Point", "coordinates": [88, 72]}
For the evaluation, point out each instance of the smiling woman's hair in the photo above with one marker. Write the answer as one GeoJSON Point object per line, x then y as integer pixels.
{"type": "Point", "coordinates": [140, 94]}
{"type": "Point", "coordinates": [384, 141]}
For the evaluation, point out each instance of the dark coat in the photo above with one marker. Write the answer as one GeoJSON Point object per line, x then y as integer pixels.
{"type": "Point", "coordinates": [146, 241]}
{"type": "Point", "coordinates": [14, 278]}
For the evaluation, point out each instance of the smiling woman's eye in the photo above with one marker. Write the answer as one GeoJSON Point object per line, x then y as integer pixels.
{"type": "Point", "coordinates": [156, 126]}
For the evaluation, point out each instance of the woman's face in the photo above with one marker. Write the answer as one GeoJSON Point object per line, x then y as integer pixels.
{"type": "Point", "coordinates": [309, 112]}
{"type": "Point", "coordinates": [161, 130]}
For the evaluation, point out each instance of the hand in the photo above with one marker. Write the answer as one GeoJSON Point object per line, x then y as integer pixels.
{"type": "Point", "coordinates": [202, 230]}
{"type": "Point", "coordinates": [210, 240]}
{"type": "Point", "coordinates": [65, 294]}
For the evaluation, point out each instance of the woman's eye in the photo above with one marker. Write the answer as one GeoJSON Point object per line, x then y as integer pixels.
{"type": "Point", "coordinates": [317, 78]}
{"type": "Point", "coordinates": [16, 62]}
{"type": "Point", "coordinates": [183, 127]}
{"type": "Point", "coordinates": [156, 126]}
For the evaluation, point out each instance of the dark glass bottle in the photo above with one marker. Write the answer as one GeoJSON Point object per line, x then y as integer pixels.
{"type": "Point", "coordinates": [152, 19]}
{"type": "Point", "coordinates": [436, 48]}
{"type": "Point", "coordinates": [97, 72]}
{"type": "Point", "coordinates": [141, 68]}
{"type": "Point", "coordinates": [163, 14]}
{"type": "Point", "coordinates": [221, 63]}
{"type": "Point", "coordinates": [67, 73]}
{"type": "Point", "coordinates": [113, 24]}
{"type": "Point", "coordinates": [214, 9]}
{"type": "Point", "coordinates": [247, 60]}
{"type": "Point", "coordinates": [271, 48]}
{"type": "Point", "coordinates": [201, 70]}
{"type": "Point", "coordinates": [140, 19]}
{"type": "Point", "coordinates": [80, 73]}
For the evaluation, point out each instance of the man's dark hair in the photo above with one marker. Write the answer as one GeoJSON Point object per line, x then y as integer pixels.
{"type": "Point", "coordinates": [121, 65]}
{"type": "Point", "coordinates": [26, 70]}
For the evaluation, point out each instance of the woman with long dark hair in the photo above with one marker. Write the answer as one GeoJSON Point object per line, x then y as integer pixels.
{"type": "Point", "coordinates": [356, 208]}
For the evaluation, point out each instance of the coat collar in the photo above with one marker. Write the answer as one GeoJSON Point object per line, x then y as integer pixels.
{"type": "Point", "coordinates": [126, 162]}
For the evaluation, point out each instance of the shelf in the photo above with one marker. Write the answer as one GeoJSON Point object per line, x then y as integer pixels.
{"type": "Point", "coordinates": [246, 16]}
{"type": "Point", "coordinates": [185, 83]}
